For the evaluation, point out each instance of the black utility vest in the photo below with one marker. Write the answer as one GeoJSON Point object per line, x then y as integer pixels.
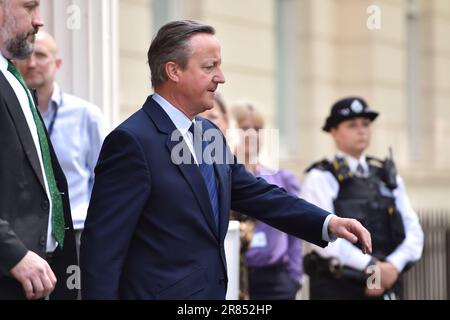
{"type": "Point", "coordinates": [369, 200]}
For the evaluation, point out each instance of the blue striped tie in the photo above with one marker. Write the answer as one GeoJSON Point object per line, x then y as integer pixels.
{"type": "Point", "coordinates": [206, 169]}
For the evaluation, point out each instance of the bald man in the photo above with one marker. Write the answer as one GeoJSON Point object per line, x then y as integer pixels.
{"type": "Point", "coordinates": [75, 126]}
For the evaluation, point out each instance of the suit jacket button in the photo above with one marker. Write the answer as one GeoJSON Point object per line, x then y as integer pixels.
{"type": "Point", "coordinates": [222, 281]}
{"type": "Point", "coordinates": [45, 205]}
{"type": "Point", "coordinates": [43, 241]}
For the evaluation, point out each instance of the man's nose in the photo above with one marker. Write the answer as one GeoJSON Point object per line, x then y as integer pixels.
{"type": "Point", "coordinates": [37, 21]}
{"type": "Point", "coordinates": [219, 78]}
{"type": "Point", "coordinates": [31, 61]}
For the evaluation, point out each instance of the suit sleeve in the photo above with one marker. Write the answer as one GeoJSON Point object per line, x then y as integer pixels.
{"type": "Point", "coordinates": [121, 189]}
{"type": "Point", "coordinates": [12, 250]}
{"type": "Point", "coordinates": [274, 206]}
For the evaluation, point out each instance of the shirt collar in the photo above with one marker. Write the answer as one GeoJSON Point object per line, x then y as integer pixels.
{"type": "Point", "coordinates": [353, 162]}
{"type": "Point", "coordinates": [3, 63]}
{"type": "Point", "coordinates": [179, 119]}
{"type": "Point", "coordinates": [55, 100]}
{"type": "Point", "coordinates": [56, 95]}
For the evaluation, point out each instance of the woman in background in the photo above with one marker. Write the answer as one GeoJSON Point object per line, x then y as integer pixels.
{"type": "Point", "coordinates": [273, 258]}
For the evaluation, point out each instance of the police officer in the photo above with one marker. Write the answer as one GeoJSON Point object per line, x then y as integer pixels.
{"type": "Point", "coordinates": [368, 189]}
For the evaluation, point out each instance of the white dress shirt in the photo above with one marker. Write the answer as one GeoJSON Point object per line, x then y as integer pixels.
{"type": "Point", "coordinates": [21, 95]}
{"type": "Point", "coordinates": [183, 123]}
{"type": "Point", "coordinates": [180, 120]}
{"type": "Point", "coordinates": [321, 188]}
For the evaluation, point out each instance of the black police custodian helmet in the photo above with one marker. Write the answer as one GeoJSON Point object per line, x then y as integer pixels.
{"type": "Point", "coordinates": [348, 108]}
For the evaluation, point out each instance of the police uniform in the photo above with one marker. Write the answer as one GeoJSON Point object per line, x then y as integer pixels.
{"type": "Point", "coordinates": [369, 190]}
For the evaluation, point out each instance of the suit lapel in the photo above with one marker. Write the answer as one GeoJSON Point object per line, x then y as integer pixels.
{"type": "Point", "coordinates": [21, 125]}
{"type": "Point", "coordinates": [190, 172]}
{"type": "Point", "coordinates": [195, 180]}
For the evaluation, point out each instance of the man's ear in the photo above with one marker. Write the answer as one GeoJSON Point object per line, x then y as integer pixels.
{"type": "Point", "coordinates": [58, 62]}
{"type": "Point", "coordinates": [172, 71]}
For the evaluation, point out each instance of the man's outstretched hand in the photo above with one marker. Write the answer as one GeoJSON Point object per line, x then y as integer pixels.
{"type": "Point", "coordinates": [351, 230]}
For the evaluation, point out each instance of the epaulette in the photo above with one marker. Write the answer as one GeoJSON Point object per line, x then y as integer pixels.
{"type": "Point", "coordinates": [323, 165]}
{"type": "Point", "coordinates": [338, 168]}
{"type": "Point", "coordinates": [341, 170]}
{"type": "Point", "coordinates": [375, 162]}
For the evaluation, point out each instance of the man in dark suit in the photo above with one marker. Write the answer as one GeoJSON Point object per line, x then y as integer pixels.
{"type": "Point", "coordinates": [37, 244]}
{"type": "Point", "coordinates": [156, 225]}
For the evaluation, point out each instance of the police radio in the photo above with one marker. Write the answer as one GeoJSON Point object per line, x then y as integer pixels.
{"type": "Point", "coordinates": [390, 171]}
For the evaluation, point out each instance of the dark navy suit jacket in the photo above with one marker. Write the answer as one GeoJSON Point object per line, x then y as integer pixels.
{"type": "Point", "coordinates": [150, 231]}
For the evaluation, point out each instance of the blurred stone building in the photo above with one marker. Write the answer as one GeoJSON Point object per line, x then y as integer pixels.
{"type": "Point", "coordinates": [293, 58]}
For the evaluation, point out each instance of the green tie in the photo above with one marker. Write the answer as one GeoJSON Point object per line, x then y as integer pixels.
{"type": "Point", "coordinates": [57, 208]}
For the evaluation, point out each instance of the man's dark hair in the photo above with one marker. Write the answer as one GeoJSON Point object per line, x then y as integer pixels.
{"type": "Point", "coordinates": [172, 44]}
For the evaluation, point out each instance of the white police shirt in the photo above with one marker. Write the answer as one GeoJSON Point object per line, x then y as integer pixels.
{"type": "Point", "coordinates": [321, 188]}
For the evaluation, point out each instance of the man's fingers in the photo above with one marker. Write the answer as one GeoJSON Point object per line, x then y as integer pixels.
{"type": "Point", "coordinates": [48, 284]}
{"type": "Point", "coordinates": [38, 288]}
{"type": "Point", "coordinates": [51, 276]}
{"type": "Point", "coordinates": [363, 237]}
{"type": "Point", "coordinates": [369, 244]}
{"type": "Point", "coordinates": [35, 275]}
{"type": "Point", "coordinates": [366, 242]}
{"type": "Point", "coordinates": [28, 289]}
{"type": "Point", "coordinates": [349, 236]}
{"type": "Point", "coordinates": [351, 230]}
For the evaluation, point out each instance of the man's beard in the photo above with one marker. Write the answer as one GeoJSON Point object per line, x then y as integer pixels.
{"type": "Point", "coordinates": [19, 47]}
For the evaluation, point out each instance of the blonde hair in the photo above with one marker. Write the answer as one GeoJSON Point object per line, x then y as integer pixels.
{"type": "Point", "coordinates": [243, 110]}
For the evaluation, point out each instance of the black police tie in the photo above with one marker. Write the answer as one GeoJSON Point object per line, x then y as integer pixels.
{"type": "Point", "coordinates": [360, 170]}
{"type": "Point", "coordinates": [206, 169]}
